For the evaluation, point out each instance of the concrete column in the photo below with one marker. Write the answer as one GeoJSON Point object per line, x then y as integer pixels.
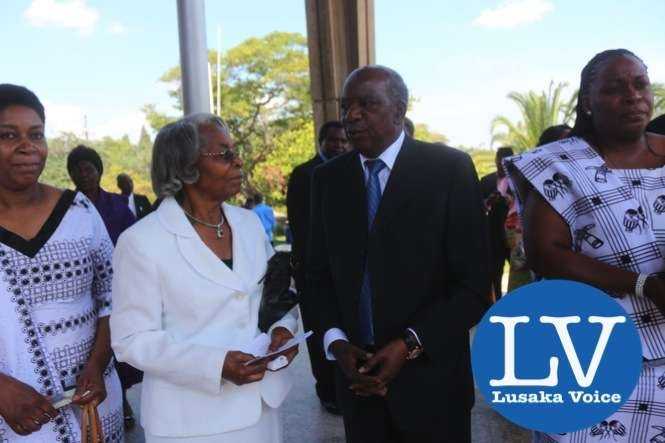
{"type": "Point", "coordinates": [340, 36]}
{"type": "Point", "coordinates": [193, 56]}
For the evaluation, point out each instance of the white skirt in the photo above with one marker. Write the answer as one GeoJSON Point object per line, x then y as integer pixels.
{"type": "Point", "coordinates": [267, 430]}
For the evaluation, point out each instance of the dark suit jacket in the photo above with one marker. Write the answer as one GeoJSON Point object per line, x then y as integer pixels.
{"type": "Point", "coordinates": [427, 257]}
{"type": "Point", "coordinates": [297, 204]}
{"type": "Point", "coordinates": [143, 206]}
{"type": "Point", "coordinates": [496, 219]}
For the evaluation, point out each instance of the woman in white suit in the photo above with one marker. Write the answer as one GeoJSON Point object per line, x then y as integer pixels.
{"type": "Point", "coordinates": [187, 289]}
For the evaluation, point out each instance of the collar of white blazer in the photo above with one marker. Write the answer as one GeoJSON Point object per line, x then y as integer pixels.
{"type": "Point", "coordinates": [200, 257]}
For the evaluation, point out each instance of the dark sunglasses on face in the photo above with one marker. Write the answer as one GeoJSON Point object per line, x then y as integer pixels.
{"type": "Point", "coordinates": [227, 155]}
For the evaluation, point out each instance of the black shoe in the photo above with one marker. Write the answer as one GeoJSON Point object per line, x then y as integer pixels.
{"type": "Point", "coordinates": [331, 407]}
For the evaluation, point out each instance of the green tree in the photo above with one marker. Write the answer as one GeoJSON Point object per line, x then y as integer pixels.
{"type": "Point", "coordinates": [118, 155]}
{"type": "Point", "coordinates": [483, 160]}
{"type": "Point", "coordinates": [658, 99]}
{"type": "Point", "coordinates": [55, 172]}
{"type": "Point", "coordinates": [424, 133]}
{"type": "Point", "coordinates": [539, 111]}
{"type": "Point", "coordinates": [264, 98]}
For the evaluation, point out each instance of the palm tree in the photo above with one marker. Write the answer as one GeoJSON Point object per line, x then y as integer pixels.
{"type": "Point", "coordinates": [539, 111]}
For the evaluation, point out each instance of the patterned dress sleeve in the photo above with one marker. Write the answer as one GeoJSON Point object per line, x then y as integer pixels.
{"type": "Point", "coordinates": [546, 170]}
{"type": "Point", "coordinates": [101, 254]}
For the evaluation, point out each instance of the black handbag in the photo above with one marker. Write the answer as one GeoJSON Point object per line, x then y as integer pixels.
{"type": "Point", "coordinates": [278, 297]}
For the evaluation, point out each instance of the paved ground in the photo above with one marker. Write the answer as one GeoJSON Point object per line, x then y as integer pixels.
{"type": "Point", "coordinates": [306, 422]}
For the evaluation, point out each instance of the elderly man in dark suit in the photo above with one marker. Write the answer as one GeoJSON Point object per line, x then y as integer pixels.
{"type": "Point", "coordinates": [138, 204]}
{"type": "Point", "coordinates": [332, 142]}
{"type": "Point", "coordinates": [397, 266]}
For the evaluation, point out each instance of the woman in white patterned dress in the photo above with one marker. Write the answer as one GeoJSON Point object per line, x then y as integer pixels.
{"type": "Point", "coordinates": [55, 292]}
{"type": "Point", "coordinates": [598, 216]}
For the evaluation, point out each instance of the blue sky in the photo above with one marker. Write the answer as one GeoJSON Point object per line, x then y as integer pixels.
{"type": "Point", "coordinates": [103, 59]}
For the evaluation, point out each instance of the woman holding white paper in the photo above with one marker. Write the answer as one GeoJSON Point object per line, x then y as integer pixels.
{"type": "Point", "coordinates": [187, 293]}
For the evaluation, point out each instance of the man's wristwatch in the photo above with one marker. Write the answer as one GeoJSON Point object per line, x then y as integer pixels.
{"type": "Point", "coordinates": [412, 345]}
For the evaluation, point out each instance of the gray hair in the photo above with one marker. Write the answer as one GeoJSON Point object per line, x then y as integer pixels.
{"type": "Point", "coordinates": [176, 151]}
{"type": "Point", "coordinates": [397, 90]}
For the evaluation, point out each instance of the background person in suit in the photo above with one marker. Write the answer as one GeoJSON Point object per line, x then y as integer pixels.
{"type": "Point", "coordinates": [138, 204]}
{"type": "Point", "coordinates": [409, 127]}
{"type": "Point", "coordinates": [553, 134]}
{"type": "Point", "coordinates": [496, 208]}
{"type": "Point", "coordinates": [187, 293]}
{"type": "Point", "coordinates": [332, 142]}
{"type": "Point", "coordinates": [397, 265]}
{"type": "Point", "coordinates": [657, 125]}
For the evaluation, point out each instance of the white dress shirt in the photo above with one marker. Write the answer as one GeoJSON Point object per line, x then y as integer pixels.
{"type": "Point", "coordinates": [388, 157]}
{"type": "Point", "coordinates": [132, 204]}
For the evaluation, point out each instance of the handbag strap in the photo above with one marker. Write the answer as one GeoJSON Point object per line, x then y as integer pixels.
{"type": "Point", "coordinates": [91, 429]}
{"type": "Point", "coordinates": [85, 424]}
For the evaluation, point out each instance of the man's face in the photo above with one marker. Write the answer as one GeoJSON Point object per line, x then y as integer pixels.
{"type": "Point", "coordinates": [335, 142]}
{"type": "Point", "coordinates": [371, 119]}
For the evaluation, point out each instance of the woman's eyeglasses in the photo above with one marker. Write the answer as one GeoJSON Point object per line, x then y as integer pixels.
{"type": "Point", "coordinates": [227, 155]}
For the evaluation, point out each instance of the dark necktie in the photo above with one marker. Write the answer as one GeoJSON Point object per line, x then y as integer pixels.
{"type": "Point", "coordinates": [373, 199]}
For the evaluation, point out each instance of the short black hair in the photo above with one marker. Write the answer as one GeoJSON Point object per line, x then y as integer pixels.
{"type": "Point", "coordinates": [657, 125]}
{"type": "Point", "coordinates": [14, 95]}
{"type": "Point", "coordinates": [258, 198]}
{"type": "Point", "coordinates": [504, 151]}
{"type": "Point", "coordinates": [84, 153]}
{"type": "Point", "coordinates": [323, 131]}
{"type": "Point", "coordinates": [583, 124]}
{"type": "Point", "coordinates": [553, 133]}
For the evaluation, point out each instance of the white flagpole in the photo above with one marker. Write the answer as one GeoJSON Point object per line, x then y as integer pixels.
{"type": "Point", "coordinates": [193, 55]}
{"type": "Point", "coordinates": [212, 103]}
{"type": "Point", "coordinates": [219, 70]}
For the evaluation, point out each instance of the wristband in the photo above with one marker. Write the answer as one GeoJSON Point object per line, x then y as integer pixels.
{"type": "Point", "coordinates": [639, 284]}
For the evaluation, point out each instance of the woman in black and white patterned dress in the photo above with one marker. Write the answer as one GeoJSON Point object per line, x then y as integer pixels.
{"type": "Point", "coordinates": [55, 292]}
{"type": "Point", "coordinates": [598, 216]}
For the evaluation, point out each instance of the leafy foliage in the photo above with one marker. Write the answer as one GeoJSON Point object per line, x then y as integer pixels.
{"type": "Point", "coordinates": [265, 101]}
{"type": "Point", "coordinates": [118, 155]}
{"type": "Point", "coordinates": [424, 133]}
{"type": "Point", "coordinates": [539, 111]}
{"type": "Point", "coordinates": [483, 160]}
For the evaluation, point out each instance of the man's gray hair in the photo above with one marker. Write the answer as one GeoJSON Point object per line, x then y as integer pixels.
{"type": "Point", "coordinates": [397, 89]}
{"type": "Point", "coordinates": [176, 151]}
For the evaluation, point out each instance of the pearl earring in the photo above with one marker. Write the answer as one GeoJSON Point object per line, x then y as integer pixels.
{"type": "Point", "coordinates": [588, 112]}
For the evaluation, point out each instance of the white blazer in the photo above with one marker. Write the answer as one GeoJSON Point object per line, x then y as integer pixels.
{"type": "Point", "coordinates": [178, 309]}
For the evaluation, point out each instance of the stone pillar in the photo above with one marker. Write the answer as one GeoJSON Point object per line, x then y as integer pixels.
{"type": "Point", "coordinates": [340, 36]}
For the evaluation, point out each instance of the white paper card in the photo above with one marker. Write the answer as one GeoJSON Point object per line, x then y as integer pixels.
{"type": "Point", "coordinates": [259, 346]}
